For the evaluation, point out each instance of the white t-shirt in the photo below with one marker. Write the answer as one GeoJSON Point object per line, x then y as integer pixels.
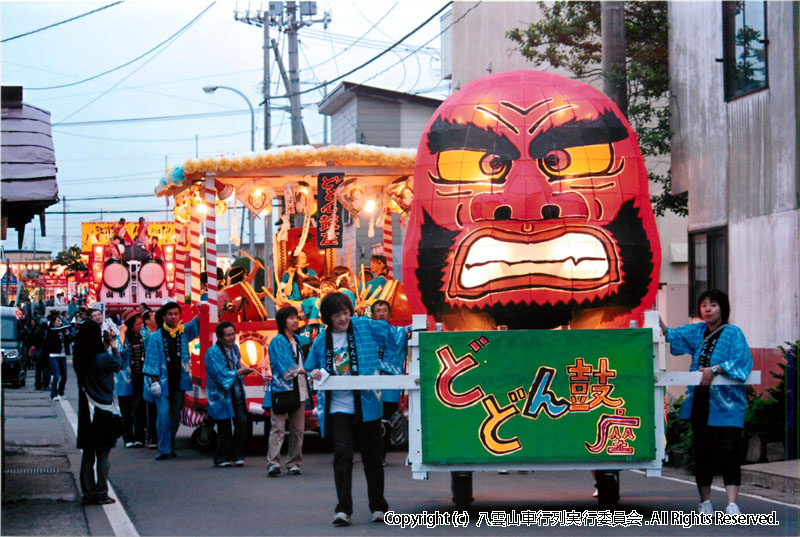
{"type": "Point", "coordinates": [341, 400]}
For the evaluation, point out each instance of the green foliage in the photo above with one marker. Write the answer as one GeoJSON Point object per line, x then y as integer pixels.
{"type": "Point", "coordinates": [71, 258]}
{"type": "Point", "coordinates": [679, 435]}
{"type": "Point", "coordinates": [568, 36]}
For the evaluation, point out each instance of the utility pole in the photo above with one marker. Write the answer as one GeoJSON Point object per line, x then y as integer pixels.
{"type": "Point", "coordinates": [612, 28]}
{"type": "Point", "coordinates": [288, 84]}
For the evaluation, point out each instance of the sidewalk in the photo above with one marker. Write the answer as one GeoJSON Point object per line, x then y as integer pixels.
{"type": "Point", "coordinates": [40, 464]}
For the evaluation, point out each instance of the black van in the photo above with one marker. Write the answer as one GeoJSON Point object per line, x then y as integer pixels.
{"type": "Point", "coordinates": [14, 363]}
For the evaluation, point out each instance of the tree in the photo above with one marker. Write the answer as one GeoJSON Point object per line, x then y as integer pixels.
{"type": "Point", "coordinates": [568, 36]}
{"type": "Point", "coordinates": [70, 258]}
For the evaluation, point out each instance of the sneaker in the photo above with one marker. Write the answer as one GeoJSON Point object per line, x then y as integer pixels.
{"type": "Point", "coordinates": [732, 509]}
{"type": "Point", "coordinates": [152, 445]}
{"type": "Point", "coordinates": [595, 493]}
{"type": "Point", "coordinates": [223, 464]}
{"type": "Point", "coordinates": [56, 398]}
{"type": "Point", "coordinates": [162, 456]}
{"type": "Point", "coordinates": [128, 444]}
{"type": "Point", "coordinates": [62, 396]}
{"type": "Point", "coordinates": [377, 516]}
{"type": "Point", "coordinates": [503, 472]}
{"type": "Point", "coordinates": [238, 462]}
{"type": "Point", "coordinates": [274, 471]}
{"type": "Point", "coordinates": [341, 519]}
{"type": "Point", "coordinates": [106, 501]}
{"type": "Point", "coordinates": [706, 507]}
{"type": "Point", "coordinates": [138, 444]}
{"type": "Point", "coordinates": [294, 470]}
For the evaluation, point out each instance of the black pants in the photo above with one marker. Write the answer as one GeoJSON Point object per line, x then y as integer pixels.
{"type": "Point", "coordinates": [42, 379]}
{"type": "Point", "coordinates": [152, 416]}
{"type": "Point", "coordinates": [344, 432]}
{"type": "Point", "coordinates": [94, 459]}
{"type": "Point", "coordinates": [133, 411]}
{"type": "Point", "coordinates": [716, 445]}
{"type": "Point", "coordinates": [231, 444]}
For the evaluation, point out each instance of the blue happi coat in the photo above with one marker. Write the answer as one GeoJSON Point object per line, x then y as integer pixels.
{"type": "Point", "coordinates": [155, 359]}
{"type": "Point", "coordinates": [369, 337]}
{"type": "Point", "coordinates": [123, 383]}
{"type": "Point", "coordinates": [219, 382]}
{"type": "Point", "coordinates": [726, 403]}
{"type": "Point", "coordinates": [284, 369]}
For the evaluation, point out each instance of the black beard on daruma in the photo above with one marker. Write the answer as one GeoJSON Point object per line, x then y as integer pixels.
{"type": "Point", "coordinates": [636, 257]}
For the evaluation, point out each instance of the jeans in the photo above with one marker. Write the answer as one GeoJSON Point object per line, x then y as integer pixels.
{"type": "Point", "coordinates": [58, 368]}
{"type": "Point", "coordinates": [231, 444]}
{"type": "Point", "coordinates": [168, 419]}
{"type": "Point", "coordinates": [94, 489]}
{"type": "Point", "coordinates": [297, 424]}
{"type": "Point", "coordinates": [345, 432]}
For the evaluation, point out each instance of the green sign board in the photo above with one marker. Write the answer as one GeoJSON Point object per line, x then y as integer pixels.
{"type": "Point", "coordinates": [537, 396]}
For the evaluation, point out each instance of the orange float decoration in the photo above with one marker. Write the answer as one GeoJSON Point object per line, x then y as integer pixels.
{"type": "Point", "coordinates": [531, 210]}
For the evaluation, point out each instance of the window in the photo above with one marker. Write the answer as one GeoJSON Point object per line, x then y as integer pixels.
{"type": "Point", "coordinates": [744, 45]}
{"type": "Point", "coordinates": [708, 264]}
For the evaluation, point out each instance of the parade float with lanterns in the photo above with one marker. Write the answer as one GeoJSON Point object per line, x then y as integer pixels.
{"type": "Point", "coordinates": [530, 259]}
{"type": "Point", "coordinates": [310, 186]}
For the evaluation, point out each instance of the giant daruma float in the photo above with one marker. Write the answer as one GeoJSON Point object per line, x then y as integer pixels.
{"type": "Point", "coordinates": [531, 210]}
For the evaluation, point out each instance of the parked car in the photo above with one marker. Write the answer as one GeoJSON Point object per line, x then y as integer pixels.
{"type": "Point", "coordinates": [14, 363]}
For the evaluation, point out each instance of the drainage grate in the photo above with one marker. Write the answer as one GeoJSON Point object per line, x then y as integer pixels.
{"type": "Point", "coordinates": [31, 471]}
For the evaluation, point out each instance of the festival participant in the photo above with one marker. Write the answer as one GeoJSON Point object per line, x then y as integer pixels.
{"type": "Point", "coordinates": [382, 311]}
{"type": "Point", "coordinates": [96, 359]}
{"type": "Point", "coordinates": [114, 250]}
{"type": "Point", "coordinates": [286, 362]}
{"type": "Point", "coordinates": [167, 364]}
{"type": "Point", "coordinates": [56, 346]}
{"type": "Point", "coordinates": [377, 264]}
{"type": "Point", "coordinates": [141, 232]}
{"type": "Point", "coordinates": [716, 412]}
{"type": "Point", "coordinates": [129, 384]}
{"type": "Point", "coordinates": [292, 279]}
{"type": "Point", "coordinates": [343, 277]}
{"type": "Point", "coordinates": [154, 250]}
{"type": "Point", "coordinates": [350, 346]}
{"type": "Point", "coordinates": [226, 396]}
{"type": "Point", "coordinates": [149, 327]}
{"type": "Point", "coordinates": [120, 230]}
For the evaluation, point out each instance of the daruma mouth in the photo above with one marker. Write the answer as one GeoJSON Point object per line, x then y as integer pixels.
{"type": "Point", "coordinates": [574, 258]}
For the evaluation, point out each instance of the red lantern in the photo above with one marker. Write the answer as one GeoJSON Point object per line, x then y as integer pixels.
{"type": "Point", "coordinates": [531, 209]}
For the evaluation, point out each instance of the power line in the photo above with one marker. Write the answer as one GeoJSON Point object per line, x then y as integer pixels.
{"type": "Point", "coordinates": [153, 118]}
{"type": "Point", "coordinates": [131, 61]}
{"type": "Point", "coordinates": [374, 58]}
{"type": "Point", "coordinates": [112, 196]}
{"type": "Point", "coordinates": [59, 23]}
{"type": "Point", "coordinates": [140, 211]}
{"type": "Point", "coordinates": [152, 140]}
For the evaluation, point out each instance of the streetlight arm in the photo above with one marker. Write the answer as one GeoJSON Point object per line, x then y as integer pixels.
{"type": "Point", "coordinates": [212, 89]}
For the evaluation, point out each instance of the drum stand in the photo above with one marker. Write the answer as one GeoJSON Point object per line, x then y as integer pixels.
{"type": "Point", "coordinates": [133, 268]}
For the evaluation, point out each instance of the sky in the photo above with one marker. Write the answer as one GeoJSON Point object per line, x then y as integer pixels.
{"type": "Point", "coordinates": [100, 153]}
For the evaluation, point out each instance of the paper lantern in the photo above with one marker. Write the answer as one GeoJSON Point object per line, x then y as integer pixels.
{"type": "Point", "coordinates": [252, 352]}
{"type": "Point", "coordinates": [531, 209]}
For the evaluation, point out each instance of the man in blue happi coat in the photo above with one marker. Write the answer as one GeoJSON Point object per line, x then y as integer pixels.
{"type": "Point", "coordinates": [167, 365]}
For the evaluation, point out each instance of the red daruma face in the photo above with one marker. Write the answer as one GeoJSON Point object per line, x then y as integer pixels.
{"type": "Point", "coordinates": [531, 209]}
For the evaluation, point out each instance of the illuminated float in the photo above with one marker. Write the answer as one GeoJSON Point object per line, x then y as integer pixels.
{"type": "Point", "coordinates": [531, 210]}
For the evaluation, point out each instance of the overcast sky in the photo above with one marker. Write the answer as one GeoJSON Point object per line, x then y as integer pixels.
{"type": "Point", "coordinates": [128, 158]}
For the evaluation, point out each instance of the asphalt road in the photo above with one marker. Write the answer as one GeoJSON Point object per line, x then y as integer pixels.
{"type": "Point", "coordinates": [188, 496]}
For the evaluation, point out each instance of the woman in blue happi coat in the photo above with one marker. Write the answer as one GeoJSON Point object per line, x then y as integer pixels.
{"type": "Point", "coordinates": [351, 346]}
{"type": "Point", "coordinates": [716, 412]}
{"type": "Point", "coordinates": [286, 363]}
{"type": "Point", "coordinates": [226, 396]}
{"type": "Point", "coordinates": [167, 364]}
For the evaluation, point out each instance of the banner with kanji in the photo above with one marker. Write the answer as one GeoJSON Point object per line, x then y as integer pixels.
{"type": "Point", "coordinates": [329, 212]}
{"type": "Point", "coordinates": [537, 396]}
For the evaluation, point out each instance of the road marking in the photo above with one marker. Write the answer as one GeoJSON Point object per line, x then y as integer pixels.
{"type": "Point", "coordinates": [115, 513]}
{"type": "Point", "coordinates": [722, 489]}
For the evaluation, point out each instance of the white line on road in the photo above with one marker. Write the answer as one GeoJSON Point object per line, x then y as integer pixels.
{"type": "Point", "coordinates": [116, 514]}
{"type": "Point", "coordinates": [722, 489]}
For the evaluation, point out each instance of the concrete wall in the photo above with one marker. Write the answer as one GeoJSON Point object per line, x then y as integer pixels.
{"type": "Point", "coordinates": [378, 122]}
{"type": "Point", "coordinates": [480, 38]}
{"type": "Point", "coordinates": [738, 162]}
{"type": "Point", "coordinates": [343, 124]}
{"type": "Point", "coordinates": [413, 119]}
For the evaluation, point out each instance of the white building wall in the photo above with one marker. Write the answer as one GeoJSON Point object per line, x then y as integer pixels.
{"type": "Point", "coordinates": [343, 124]}
{"type": "Point", "coordinates": [413, 119]}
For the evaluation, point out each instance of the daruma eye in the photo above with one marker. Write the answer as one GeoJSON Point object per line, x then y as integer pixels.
{"type": "Point", "coordinates": [580, 161]}
{"type": "Point", "coordinates": [472, 166]}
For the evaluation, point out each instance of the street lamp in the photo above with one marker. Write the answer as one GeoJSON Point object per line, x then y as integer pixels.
{"type": "Point", "coordinates": [212, 89]}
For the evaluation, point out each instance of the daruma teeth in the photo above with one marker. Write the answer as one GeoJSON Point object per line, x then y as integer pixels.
{"type": "Point", "coordinates": [573, 256]}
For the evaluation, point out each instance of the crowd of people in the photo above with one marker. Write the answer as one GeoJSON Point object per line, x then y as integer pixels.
{"type": "Point", "coordinates": [133, 371]}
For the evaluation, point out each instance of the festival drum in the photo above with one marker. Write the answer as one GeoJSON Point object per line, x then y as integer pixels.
{"type": "Point", "coordinates": [240, 303]}
{"type": "Point", "coordinates": [151, 275]}
{"type": "Point", "coordinates": [115, 275]}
